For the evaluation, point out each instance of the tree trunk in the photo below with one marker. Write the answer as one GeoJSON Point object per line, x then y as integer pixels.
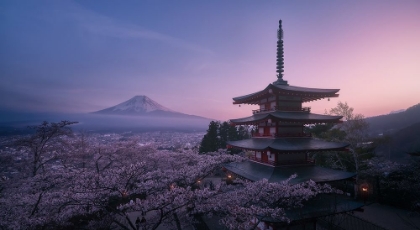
{"type": "Point", "coordinates": [178, 224]}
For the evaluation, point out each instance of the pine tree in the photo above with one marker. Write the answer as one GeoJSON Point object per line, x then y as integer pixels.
{"type": "Point", "coordinates": [224, 134]}
{"type": "Point", "coordinates": [233, 133]}
{"type": "Point", "coordinates": [219, 134]}
{"type": "Point", "coordinates": [211, 141]}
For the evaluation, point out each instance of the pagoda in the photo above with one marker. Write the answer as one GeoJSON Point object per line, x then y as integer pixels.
{"type": "Point", "coordinates": [279, 145]}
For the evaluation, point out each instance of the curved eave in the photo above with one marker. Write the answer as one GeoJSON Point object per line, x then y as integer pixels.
{"type": "Point", "coordinates": [254, 171]}
{"type": "Point", "coordinates": [252, 98]}
{"type": "Point", "coordinates": [307, 94]}
{"type": "Point", "coordinates": [288, 144]}
{"type": "Point", "coordinates": [301, 117]}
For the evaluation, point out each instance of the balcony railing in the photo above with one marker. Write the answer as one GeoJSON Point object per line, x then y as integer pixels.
{"type": "Point", "coordinates": [275, 163]}
{"type": "Point", "coordinates": [293, 135]}
{"type": "Point", "coordinates": [282, 135]}
{"type": "Point", "coordinates": [263, 135]}
{"type": "Point", "coordinates": [283, 108]}
{"type": "Point", "coordinates": [270, 162]}
{"type": "Point", "coordinates": [255, 111]}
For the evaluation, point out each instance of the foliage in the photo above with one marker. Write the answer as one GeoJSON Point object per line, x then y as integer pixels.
{"type": "Point", "coordinates": [219, 133]}
{"type": "Point", "coordinates": [394, 183]}
{"type": "Point", "coordinates": [401, 142]}
{"type": "Point", "coordinates": [43, 145]}
{"type": "Point", "coordinates": [211, 140]}
{"type": "Point", "coordinates": [354, 131]}
{"type": "Point", "coordinates": [104, 186]}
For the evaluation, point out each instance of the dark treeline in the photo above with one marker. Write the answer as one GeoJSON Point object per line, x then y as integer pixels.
{"type": "Point", "coordinates": [219, 133]}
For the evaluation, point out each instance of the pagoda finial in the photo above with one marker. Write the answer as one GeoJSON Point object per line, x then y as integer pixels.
{"type": "Point", "coordinates": [280, 57]}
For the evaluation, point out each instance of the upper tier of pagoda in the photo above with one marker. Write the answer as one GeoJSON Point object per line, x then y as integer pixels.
{"type": "Point", "coordinates": [279, 121]}
{"type": "Point", "coordinates": [306, 94]}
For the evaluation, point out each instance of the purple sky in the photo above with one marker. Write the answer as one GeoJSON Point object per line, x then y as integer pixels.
{"type": "Point", "coordinates": [194, 56]}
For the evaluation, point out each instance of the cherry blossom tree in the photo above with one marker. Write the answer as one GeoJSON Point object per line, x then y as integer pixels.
{"type": "Point", "coordinates": [123, 180]}
{"type": "Point", "coordinates": [44, 143]}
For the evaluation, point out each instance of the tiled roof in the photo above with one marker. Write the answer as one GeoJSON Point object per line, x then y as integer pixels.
{"type": "Point", "coordinates": [255, 171]}
{"type": "Point", "coordinates": [288, 144]}
{"type": "Point", "coordinates": [307, 118]}
{"type": "Point", "coordinates": [308, 94]}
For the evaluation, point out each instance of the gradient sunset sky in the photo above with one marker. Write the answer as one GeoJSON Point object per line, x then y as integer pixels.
{"type": "Point", "coordinates": [194, 56]}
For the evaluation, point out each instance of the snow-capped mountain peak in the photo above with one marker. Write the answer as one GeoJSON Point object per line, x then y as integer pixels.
{"type": "Point", "coordinates": [137, 104]}
{"type": "Point", "coordinates": [140, 103]}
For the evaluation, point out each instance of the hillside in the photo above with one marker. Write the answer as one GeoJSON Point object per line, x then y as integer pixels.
{"type": "Point", "coordinates": [393, 122]}
{"type": "Point", "coordinates": [401, 143]}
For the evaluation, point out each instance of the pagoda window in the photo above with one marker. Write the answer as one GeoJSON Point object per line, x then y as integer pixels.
{"type": "Point", "coordinates": [292, 158]}
{"type": "Point", "coordinates": [273, 104]}
{"type": "Point", "coordinates": [272, 98]}
{"type": "Point", "coordinates": [261, 130]}
{"type": "Point", "coordinates": [284, 124]}
{"type": "Point", "coordinates": [272, 130]}
{"type": "Point", "coordinates": [271, 156]}
{"type": "Point", "coordinates": [266, 131]}
{"type": "Point", "coordinates": [262, 107]}
{"type": "Point", "coordinates": [286, 105]}
{"type": "Point", "coordinates": [290, 129]}
{"type": "Point", "coordinates": [258, 155]}
{"type": "Point", "coordinates": [264, 157]}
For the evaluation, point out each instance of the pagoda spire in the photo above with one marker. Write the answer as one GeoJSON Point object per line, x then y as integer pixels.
{"type": "Point", "coordinates": [280, 57]}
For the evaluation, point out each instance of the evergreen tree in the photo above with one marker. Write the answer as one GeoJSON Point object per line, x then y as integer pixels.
{"type": "Point", "coordinates": [219, 134]}
{"type": "Point", "coordinates": [211, 141]}
{"type": "Point", "coordinates": [224, 134]}
{"type": "Point", "coordinates": [232, 133]}
{"type": "Point", "coordinates": [243, 132]}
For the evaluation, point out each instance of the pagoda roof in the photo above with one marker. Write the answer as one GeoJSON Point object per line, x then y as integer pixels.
{"type": "Point", "coordinates": [307, 118]}
{"type": "Point", "coordinates": [288, 144]}
{"type": "Point", "coordinates": [256, 171]}
{"type": "Point", "coordinates": [320, 206]}
{"type": "Point", "coordinates": [307, 94]}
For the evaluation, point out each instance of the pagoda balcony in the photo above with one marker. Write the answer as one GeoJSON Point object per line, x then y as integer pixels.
{"type": "Point", "coordinates": [269, 162]}
{"type": "Point", "coordinates": [293, 135]}
{"type": "Point", "coordinates": [282, 135]}
{"type": "Point", "coordinates": [263, 135]}
{"type": "Point", "coordinates": [293, 109]}
{"type": "Point", "coordinates": [255, 111]}
{"type": "Point", "coordinates": [283, 108]}
{"type": "Point", "coordinates": [282, 163]}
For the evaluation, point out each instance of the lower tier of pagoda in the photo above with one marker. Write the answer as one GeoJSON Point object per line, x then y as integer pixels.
{"type": "Point", "coordinates": [287, 144]}
{"type": "Point", "coordinates": [254, 171]}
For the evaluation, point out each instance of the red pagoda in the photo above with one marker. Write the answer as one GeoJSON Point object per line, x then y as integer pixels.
{"type": "Point", "coordinates": [279, 145]}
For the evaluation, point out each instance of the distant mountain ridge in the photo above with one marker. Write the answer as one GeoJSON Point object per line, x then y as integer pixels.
{"type": "Point", "coordinates": [138, 114]}
{"type": "Point", "coordinates": [142, 105]}
{"type": "Point", "coordinates": [394, 121]}
{"type": "Point", "coordinates": [401, 142]}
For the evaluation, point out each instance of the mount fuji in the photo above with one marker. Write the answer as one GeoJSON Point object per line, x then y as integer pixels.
{"type": "Point", "coordinates": [142, 105]}
{"type": "Point", "coordinates": [139, 114]}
